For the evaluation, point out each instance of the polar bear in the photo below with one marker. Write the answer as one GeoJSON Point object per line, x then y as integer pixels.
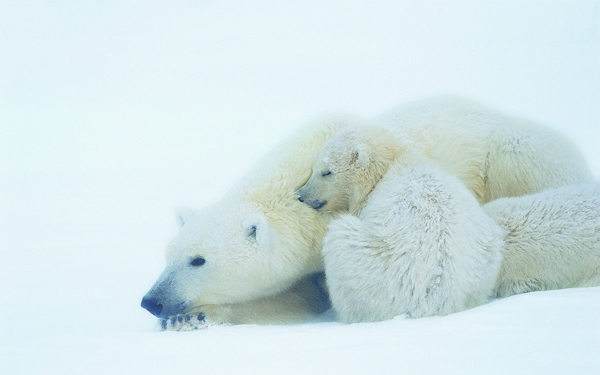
{"type": "Point", "coordinates": [494, 155]}
{"type": "Point", "coordinates": [424, 246]}
{"type": "Point", "coordinates": [552, 239]}
{"type": "Point", "coordinates": [255, 255]}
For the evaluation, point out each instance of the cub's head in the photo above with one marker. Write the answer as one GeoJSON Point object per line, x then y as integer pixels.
{"type": "Point", "coordinates": [221, 255]}
{"type": "Point", "coordinates": [347, 168]}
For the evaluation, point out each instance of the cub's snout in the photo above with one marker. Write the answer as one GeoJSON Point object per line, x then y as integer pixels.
{"type": "Point", "coordinates": [305, 198]}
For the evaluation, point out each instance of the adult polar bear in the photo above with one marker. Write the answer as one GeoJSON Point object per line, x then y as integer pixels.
{"type": "Point", "coordinates": [249, 257]}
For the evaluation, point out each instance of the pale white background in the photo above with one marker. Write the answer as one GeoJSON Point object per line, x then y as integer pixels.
{"type": "Point", "coordinates": [113, 113]}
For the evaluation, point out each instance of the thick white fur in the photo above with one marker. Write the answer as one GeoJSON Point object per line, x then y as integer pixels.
{"type": "Point", "coordinates": [258, 242]}
{"type": "Point", "coordinates": [494, 155]}
{"type": "Point", "coordinates": [422, 246]}
{"type": "Point", "coordinates": [552, 239]}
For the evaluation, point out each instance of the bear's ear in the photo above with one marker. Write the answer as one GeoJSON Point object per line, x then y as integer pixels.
{"type": "Point", "coordinates": [256, 228]}
{"type": "Point", "coordinates": [361, 156]}
{"type": "Point", "coordinates": [183, 214]}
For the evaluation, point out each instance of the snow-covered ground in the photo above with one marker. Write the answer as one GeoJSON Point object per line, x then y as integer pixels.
{"type": "Point", "coordinates": [114, 113]}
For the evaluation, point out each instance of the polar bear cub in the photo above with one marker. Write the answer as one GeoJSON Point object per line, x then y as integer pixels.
{"type": "Point", "coordinates": [494, 155]}
{"type": "Point", "coordinates": [422, 246]}
{"type": "Point", "coordinates": [349, 166]}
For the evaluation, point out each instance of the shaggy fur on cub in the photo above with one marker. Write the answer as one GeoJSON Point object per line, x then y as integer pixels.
{"type": "Point", "coordinates": [422, 246]}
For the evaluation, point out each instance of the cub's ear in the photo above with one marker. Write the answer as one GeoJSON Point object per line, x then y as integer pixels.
{"type": "Point", "coordinates": [256, 227]}
{"type": "Point", "coordinates": [183, 214]}
{"type": "Point", "coordinates": [361, 156]}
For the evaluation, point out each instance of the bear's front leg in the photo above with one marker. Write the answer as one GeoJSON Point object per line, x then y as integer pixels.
{"type": "Point", "coordinates": [303, 302]}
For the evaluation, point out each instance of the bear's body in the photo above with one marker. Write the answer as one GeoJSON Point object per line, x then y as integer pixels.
{"type": "Point", "coordinates": [247, 257]}
{"type": "Point", "coordinates": [552, 239]}
{"type": "Point", "coordinates": [428, 248]}
{"type": "Point", "coordinates": [494, 155]}
{"type": "Point", "coordinates": [421, 247]}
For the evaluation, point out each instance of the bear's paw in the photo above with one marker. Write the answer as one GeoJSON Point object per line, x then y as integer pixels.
{"type": "Point", "coordinates": [183, 322]}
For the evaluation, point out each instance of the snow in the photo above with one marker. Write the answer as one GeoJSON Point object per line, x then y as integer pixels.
{"type": "Point", "coordinates": [112, 114]}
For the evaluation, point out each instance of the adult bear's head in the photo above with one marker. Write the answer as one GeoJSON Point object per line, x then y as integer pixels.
{"type": "Point", "coordinates": [226, 254]}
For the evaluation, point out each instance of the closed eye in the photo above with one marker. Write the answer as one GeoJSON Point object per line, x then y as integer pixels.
{"type": "Point", "coordinates": [252, 232]}
{"type": "Point", "coordinates": [325, 173]}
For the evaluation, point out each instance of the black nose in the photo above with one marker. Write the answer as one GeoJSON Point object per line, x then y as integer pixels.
{"type": "Point", "coordinates": [300, 194]}
{"type": "Point", "coordinates": [152, 306]}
